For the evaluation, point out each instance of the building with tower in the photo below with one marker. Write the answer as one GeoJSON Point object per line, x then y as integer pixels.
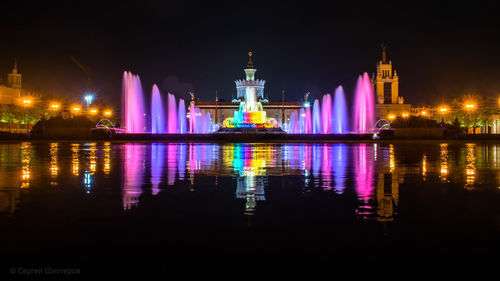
{"type": "Point", "coordinates": [386, 87]}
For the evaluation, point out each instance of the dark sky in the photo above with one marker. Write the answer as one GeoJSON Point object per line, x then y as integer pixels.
{"type": "Point", "coordinates": [439, 50]}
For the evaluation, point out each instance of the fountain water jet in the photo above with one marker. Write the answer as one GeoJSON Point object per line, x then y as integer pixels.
{"type": "Point", "coordinates": [340, 120]}
{"type": "Point", "coordinates": [134, 114]}
{"type": "Point", "coordinates": [364, 107]}
{"type": "Point", "coordinates": [157, 113]}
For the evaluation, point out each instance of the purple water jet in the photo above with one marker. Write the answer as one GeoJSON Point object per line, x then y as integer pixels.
{"type": "Point", "coordinates": [340, 119]}
{"type": "Point", "coordinates": [157, 112]}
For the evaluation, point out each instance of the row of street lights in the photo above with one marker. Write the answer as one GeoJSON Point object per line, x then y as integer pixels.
{"type": "Point", "coordinates": [75, 109]}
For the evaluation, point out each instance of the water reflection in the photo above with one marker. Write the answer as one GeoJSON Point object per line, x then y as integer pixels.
{"type": "Point", "coordinates": [133, 176]}
{"type": "Point", "coordinates": [26, 160]}
{"type": "Point", "coordinates": [470, 165]}
{"type": "Point", "coordinates": [54, 166]}
{"type": "Point", "coordinates": [373, 172]}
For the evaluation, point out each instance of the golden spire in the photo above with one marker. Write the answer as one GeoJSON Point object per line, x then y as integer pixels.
{"type": "Point", "coordinates": [250, 64]}
{"type": "Point", "coordinates": [384, 55]}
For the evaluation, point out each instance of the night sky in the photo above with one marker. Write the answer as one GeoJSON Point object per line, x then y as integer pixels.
{"type": "Point", "coordinates": [440, 51]}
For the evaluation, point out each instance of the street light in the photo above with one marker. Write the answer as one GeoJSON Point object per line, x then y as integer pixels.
{"type": "Point", "coordinates": [76, 109]}
{"type": "Point", "coordinates": [108, 113]}
{"type": "Point", "coordinates": [93, 111]}
{"type": "Point", "coordinates": [89, 98]}
{"type": "Point", "coordinates": [54, 106]}
{"type": "Point", "coordinates": [26, 103]}
{"type": "Point", "coordinates": [391, 117]}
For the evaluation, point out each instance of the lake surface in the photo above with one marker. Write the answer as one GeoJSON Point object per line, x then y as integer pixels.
{"type": "Point", "coordinates": [92, 205]}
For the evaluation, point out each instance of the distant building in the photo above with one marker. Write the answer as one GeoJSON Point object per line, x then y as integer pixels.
{"type": "Point", "coordinates": [386, 86]}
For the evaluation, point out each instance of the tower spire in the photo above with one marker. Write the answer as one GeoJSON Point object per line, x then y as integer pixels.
{"type": "Point", "coordinates": [250, 70]}
{"type": "Point", "coordinates": [384, 54]}
{"type": "Point", "coordinates": [250, 64]}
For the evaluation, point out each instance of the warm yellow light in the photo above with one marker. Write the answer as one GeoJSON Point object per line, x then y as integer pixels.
{"type": "Point", "coordinates": [392, 116]}
{"type": "Point", "coordinates": [76, 108]}
{"type": "Point", "coordinates": [26, 102]}
{"type": "Point", "coordinates": [470, 106]}
{"type": "Point", "coordinates": [406, 114]}
{"type": "Point", "coordinates": [93, 111]}
{"type": "Point", "coordinates": [54, 106]}
{"type": "Point", "coordinates": [423, 112]}
{"type": "Point", "coordinates": [108, 112]}
{"type": "Point", "coordinates": [443, 109]}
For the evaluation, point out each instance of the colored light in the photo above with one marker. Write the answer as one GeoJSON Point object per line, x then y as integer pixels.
{"type": "Point", "coordinates": [470, 106]}
{"type": "Point", "coordinates": [443, 110]}
{"type": "Point", "coordinates": [108, 113]}
{"type": "Point", "coordinates": [405, 115]}
{"type": "Point", "coordinates": [93, 111]}
{"type": "Point", "coordinates": [76, 109]}
{"type": "Point", "coordinates": [423, 112]}
{"type": "Point", "coordinates": [392, 117]}
{"type": "Point", "coordinates": [88, 98]}
{"type": "Point", "coordinates": [54, 106]}
{"type": "Point", "coordinates": [27, 102]}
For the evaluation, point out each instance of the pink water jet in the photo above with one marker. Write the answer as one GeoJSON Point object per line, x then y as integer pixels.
{"type": "Point", "coordinates": [134, 115]}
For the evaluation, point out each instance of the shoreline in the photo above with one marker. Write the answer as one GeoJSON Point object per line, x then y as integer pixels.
{"type": "Point", "coordinates": [251, 138]}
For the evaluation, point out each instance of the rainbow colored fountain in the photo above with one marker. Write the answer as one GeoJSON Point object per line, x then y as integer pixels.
{"type": "Point", "coordinates": [250, 95]}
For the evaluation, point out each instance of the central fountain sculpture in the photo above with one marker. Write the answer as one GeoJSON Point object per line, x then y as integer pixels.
{"type": "Point", "coordinates": [250, 95]}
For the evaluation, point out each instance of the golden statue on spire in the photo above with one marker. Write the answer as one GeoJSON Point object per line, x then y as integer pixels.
{"type": "Point", "coordinates": [250, 64]}
{"type": "Point", "coordinates": [384, 55]}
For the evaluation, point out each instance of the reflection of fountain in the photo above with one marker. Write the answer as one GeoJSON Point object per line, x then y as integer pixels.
{"type": "Point", "coordinates": [157, 162]}
{"type": "Point", "coordinates": [133, 174]}
{"type": "Point", "coordinates": [363, 167]}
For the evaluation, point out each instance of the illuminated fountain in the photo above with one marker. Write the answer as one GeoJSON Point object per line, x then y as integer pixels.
{"type": "Point", "coordinates": [165, 117]}
{"type": "Point", "coordinates": [364, 108]}
{"type": "Point", "coordinates": [250, 95]}
{"type": "Point", "coordinates": [134, 113]}
{"type": "Point", "coordinates": [331, 117]}
{"type": "Point", "coordinates": [328, 115]}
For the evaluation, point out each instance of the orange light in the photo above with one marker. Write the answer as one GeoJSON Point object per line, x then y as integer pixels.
{"type": "Point", "coordinates": [423, 112]}
{"type": "Point", "coordinates": [76, 108]}
{"type": "Point", "coordinates": [406, 114]}
{"type": "Point", "coordinates": [108, 113]}
{"type": "Point", "coordinates": [470, 106]}
{"type": "Point", "coordinates": [392, 116]}
{"type": "Point", "coordinates": [27, 102]}
{"type": "Point", "coordinates": [54, 106]}
{"type": "Point", "coordinates": [93, 111]}
{"type": "Point", "coordinates": [443, 109]}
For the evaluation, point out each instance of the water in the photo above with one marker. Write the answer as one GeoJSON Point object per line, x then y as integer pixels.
{"type": "Point", "coordinates": [151, 205]}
